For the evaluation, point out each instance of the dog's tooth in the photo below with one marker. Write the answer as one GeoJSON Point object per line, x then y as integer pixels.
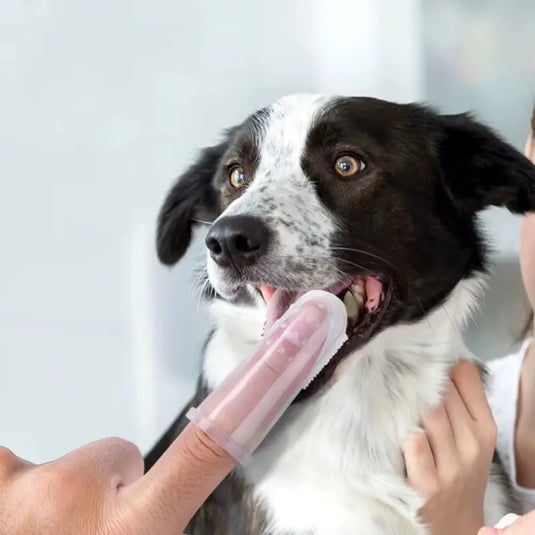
{"type": "Point", "coordinates": [351, 305]}
{"type": "Point", "coordinates": [358, 284]}
{"type": "Point", "coordinates": [357, 289]}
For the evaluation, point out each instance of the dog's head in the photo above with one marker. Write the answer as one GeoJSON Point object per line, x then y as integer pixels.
{"type": "Point", "coordinates": [371, 200]}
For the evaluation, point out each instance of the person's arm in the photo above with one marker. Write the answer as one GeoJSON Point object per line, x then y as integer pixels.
{"type": "Point", "coordinates": [512, 398]}
{"type": "Point", "coordinates": [524, 443]}
{"type": "Point", "coordinates": [524, 439]}
{"type": "Point", "coordinates": [100, 488]}
{"type": "Point", "coordinates": [508, 395]}
{"type": "Point", "coordinates": [449, 462]}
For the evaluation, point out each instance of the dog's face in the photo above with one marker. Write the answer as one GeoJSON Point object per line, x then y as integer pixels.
{"type": "Point", "coordinates": [371, 200]}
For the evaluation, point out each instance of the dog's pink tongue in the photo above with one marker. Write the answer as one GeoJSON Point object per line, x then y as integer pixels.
{"type": "Point", "coordinates": [278, 302]}
{"type": "Point", "coordinates": [374, 289]}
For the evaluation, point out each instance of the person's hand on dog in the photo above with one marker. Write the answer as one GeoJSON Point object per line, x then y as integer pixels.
{"type": "Point", "coordinates": [449, 463]}
{"type": "Point", "coordinates": [100, 488]}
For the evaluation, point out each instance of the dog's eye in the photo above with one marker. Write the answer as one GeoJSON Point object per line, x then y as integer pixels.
{"type": "Point", "coordinates": [348, 166]}
{"type": "Point", "coordinates": [237, 177]}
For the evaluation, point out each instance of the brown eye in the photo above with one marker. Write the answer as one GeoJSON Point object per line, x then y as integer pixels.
{"type": "Point", "coordinates": [348, 166]}
{"type": "Point", "coordinates": [237, 177]}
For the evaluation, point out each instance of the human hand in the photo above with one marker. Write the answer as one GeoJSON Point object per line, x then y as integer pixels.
{"type": "Point", "coordinates": [100, 489]}
{"type": "Point", "coordinates": [524, 525]}
{"type": "Point", "coordinates": [449, 463]}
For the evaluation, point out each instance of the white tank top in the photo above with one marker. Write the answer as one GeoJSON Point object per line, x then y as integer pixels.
{"type": "Point", "coordinates": [502, 393]}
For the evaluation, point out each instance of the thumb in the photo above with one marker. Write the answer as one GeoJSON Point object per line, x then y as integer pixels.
{"type": "Point", "coordinates": [525, 525]}
{"type": "Point", "coordinates": [166, 498]}
{"type": "Point", "coordinates": [230, 423]}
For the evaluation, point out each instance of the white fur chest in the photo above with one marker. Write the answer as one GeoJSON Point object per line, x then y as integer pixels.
{"type": "Point", "coordinates": [332, 465]}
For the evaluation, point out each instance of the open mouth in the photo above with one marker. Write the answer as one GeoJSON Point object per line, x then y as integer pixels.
{"type": "Point", "coordinates": [366, 299]}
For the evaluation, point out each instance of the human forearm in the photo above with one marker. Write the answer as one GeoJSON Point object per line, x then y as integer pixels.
{"type": "Point", "coordinates": [524, 442]}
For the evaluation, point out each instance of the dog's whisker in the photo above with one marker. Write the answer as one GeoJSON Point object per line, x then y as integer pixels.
{"type": "Point", "coordinates": [449, 318]}
{"type": "Point", "coordinates": [199, 279]}
{"type": "Point", "coordinates": [354, 264]}
{"type": "Point", "coordinates": [201, 221]}
{"type": "Point", "coordinates": [362, 251]}
{"type": "Point", "coordinates": [424, 313]}
{"type": "Point", "coordinates": [204, 288]}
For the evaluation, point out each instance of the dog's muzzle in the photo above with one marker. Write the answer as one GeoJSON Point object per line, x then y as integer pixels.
{"type": "Point", "coordinates": [237, 241]}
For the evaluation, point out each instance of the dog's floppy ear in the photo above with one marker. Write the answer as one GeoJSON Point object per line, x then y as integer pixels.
{"type": "Point", "coordinates": [192, 197]}
{"type": "Point", "coordinates": [481, 170]}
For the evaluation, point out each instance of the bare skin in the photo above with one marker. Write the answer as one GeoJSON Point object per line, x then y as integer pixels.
{"type": "Point", "coordinates": [449, 463]}
{"type": "Point", "coordinates": [525, 423]}
{"type": "Point", "coordinates": [100, 489]}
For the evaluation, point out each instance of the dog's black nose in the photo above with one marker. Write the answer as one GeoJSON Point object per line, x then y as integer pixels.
{"type": "Point", "coordinates": [237, 241]}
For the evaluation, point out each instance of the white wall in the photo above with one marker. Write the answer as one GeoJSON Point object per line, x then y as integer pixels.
{"type": "Point", "coordinates": [101, 104]}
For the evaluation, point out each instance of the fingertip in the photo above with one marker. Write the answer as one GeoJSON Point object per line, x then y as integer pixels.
{"type": "Point", "coordinates": [466, 377]}
{"type": "Point", "coordinates": [465, 367]}
{"type": "Point", "coordinates": [451, 389]}
{"type": "Point", "coordinates": [433, 417]}
{"type": "Point", "coordinates": [417, 453]}
{"type": "Point", "coordinates": [489, 531]}
{"type": "Point", "coordinates": [127, 458]}
{"type": "Point", "coordinates": [123, 447]}
{"type": "Point", "coordinates": [414, 442]}
{"type": "Point", "coordinates": [420, 465]}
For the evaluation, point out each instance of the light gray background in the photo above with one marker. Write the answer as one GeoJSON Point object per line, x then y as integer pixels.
{"type": "Point", "coordinates": [103, 103]}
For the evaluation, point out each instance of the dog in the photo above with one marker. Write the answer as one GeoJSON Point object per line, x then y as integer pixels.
{"type": "Point", "coordinates": [376, 202]}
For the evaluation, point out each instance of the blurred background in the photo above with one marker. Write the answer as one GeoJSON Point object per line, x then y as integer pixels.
{"type": "Point", "coordinates": [101, 106]}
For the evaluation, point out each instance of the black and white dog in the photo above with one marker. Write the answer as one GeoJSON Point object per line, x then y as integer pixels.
{"type": "Point", "coordinates": [376, 202]}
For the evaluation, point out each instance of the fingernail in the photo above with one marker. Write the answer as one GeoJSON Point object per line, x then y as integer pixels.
{"type": "Point", "coordinates": [506, 521]}
{"type": "Point", "coordinates": [239, 413]}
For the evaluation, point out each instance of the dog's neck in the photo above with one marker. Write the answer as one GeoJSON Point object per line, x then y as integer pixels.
{"type": "Point", "coordinates": [351, 431]}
